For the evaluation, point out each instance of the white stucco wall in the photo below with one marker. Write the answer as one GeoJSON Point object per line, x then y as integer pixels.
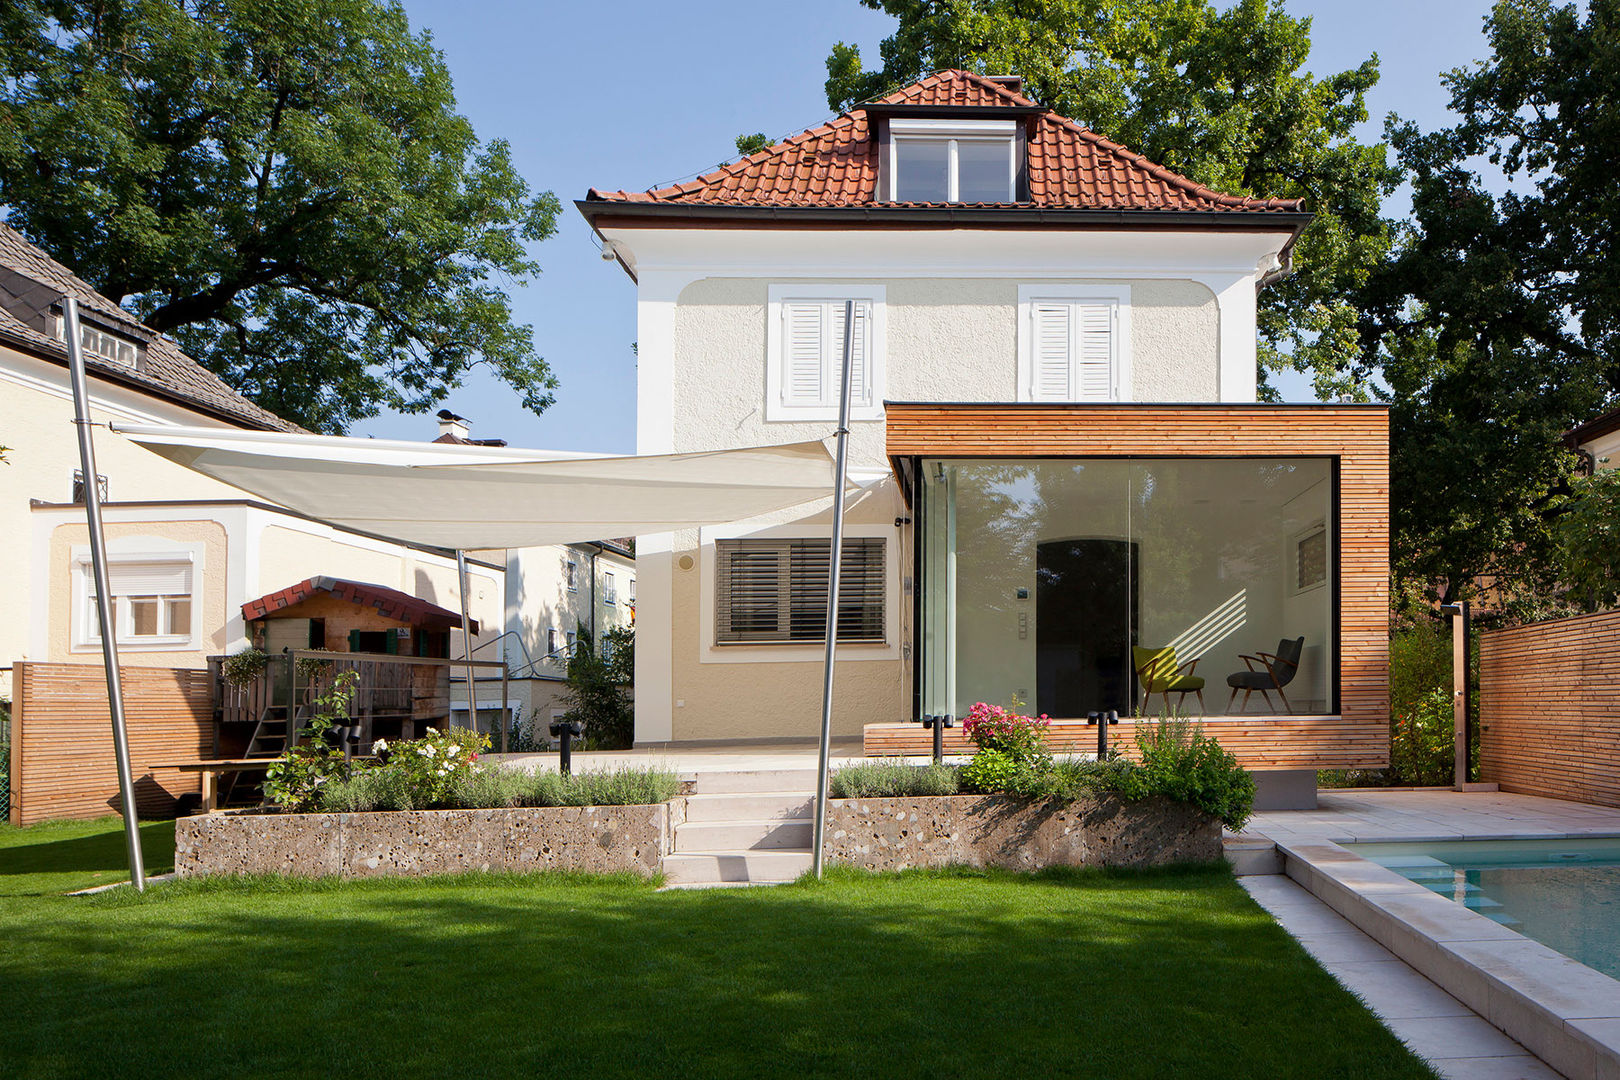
{"type": "Point", "coordinates": [1605, 451]}
{"type": "Point", "coordinates": [945, 340]}
{"type": "Point", "coordinates": [36, 423]}
{"type": "Point", "coordinates": [241, 552]}
{"type": "Point", "coordinates": [952, 324]}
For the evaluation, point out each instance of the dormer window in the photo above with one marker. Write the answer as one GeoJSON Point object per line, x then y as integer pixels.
{"type": "Point", "coordinates": [953, 161]}
{"type": "Point", "coordinates": [101, 345]}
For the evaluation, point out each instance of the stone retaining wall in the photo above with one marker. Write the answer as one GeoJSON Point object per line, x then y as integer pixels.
{"type": "Point", "coordinates": [1018, 834]}
{"type": "Point", "coordinates": [596, 839]}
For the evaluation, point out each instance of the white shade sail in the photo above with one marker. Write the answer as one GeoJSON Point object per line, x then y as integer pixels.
{"type": "Point", "coordinates": [474, 497]}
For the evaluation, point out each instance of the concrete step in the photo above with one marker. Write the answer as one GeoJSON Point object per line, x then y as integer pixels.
{"type": "Point", "coordinates": [695, 868]}
{"type": "Point", "coordinates": [749, 806]}
{"type": "Point", "coordinates": [739, 835]}
{"type": "Point", "coordinates": [774, 780]}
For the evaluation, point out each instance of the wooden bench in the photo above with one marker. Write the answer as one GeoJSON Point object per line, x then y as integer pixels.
{"type": "Point", "coordinates": [211, 771]}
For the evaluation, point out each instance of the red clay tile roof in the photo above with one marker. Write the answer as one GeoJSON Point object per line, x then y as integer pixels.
{"type": "Point", "coordinates": [390, 603]}
{"type": "Point", "coordinates": [836, 165]}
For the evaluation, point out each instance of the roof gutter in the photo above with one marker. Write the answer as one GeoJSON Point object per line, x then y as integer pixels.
{"type": "Point", "coordinates": [634, 214]}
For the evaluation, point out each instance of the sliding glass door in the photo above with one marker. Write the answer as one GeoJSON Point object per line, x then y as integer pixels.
{"type": "Point", "coordinates": [1053, 581]}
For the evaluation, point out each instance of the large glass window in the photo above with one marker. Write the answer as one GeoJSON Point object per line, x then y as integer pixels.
{"type": "Point", "coordinates": [1064, 581]}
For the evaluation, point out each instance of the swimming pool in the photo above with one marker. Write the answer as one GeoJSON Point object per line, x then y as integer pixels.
{"type": "Point", "coordinates": [1562, 893]}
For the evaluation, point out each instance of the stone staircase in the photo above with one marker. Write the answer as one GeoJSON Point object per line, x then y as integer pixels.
{"type": "Point", "coordinates": [744, 828]}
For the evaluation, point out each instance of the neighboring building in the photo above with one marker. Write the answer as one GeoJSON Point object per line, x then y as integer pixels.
{"type": "Point", "coordinates": [552, 594]}
{"type": "Point", "coordinates": [186, 552]}
{"type": "Point", "coordinates": [1056, 364]}
{"type": "Point", "coordinates": [1599, 440]}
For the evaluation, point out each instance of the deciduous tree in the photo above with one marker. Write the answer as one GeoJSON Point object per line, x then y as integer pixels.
{"type": "Point", "coordinates": [284, 186]}
{"type": "Point", "coordinates": [1219, 96]}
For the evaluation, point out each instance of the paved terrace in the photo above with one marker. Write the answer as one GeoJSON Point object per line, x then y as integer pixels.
{"type": "Point", "coordinates": [1367, 815]}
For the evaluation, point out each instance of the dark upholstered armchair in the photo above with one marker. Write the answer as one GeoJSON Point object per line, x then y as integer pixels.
{"type": "Point", "coordinates": [1275, 671]}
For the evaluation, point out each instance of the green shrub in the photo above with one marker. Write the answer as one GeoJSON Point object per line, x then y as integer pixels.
{"type": "Point", "coordinates": [618, 787]}
{"type": "Point", "coordinates": [892, 779]}
{"type": "Point", "coordinates": [367, 789]}
{"type": "Point", "coordinates": [1422, 750]}
{"type": "Point", "coordinates": [1419, 663]}
{"type": "Point", "coordinates": [599, 689]}
{"type": "Point", "coordinates": [991, 771]}
{"type": "Point", "coordinates": [1068, 780]}
{"type": "Point", "coordinates": [490, 787]}
{"type": "Point", "coordinates": [1180, 762]}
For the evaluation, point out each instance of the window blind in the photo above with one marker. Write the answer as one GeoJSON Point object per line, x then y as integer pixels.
{"type": "Point", "coordinates": [775, 590]}
{"type": "Point", "coordinates": [149, 578]}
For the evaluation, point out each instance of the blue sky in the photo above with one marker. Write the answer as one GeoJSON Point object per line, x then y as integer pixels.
{"type": "Point", "coordinates": [643, 92]}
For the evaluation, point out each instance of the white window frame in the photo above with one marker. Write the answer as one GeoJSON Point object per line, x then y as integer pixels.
{"type": "Point", "coordinates": [610, 588]}
{"type": "Point", "coordinates": [570, 574]}
{"type": "Point", "coordinates": [778, 410]}
{"type": "Point", "coordinates": [85, 633]}
{"type": "Point", "coordinates": [553, 643]}
{"type": "Point", "coordinates": [1317, 527]}
{"type": "Point", "coordinates": [1120, 340]}
{"type": "Point", "coordinates": [792, 652]}
{"type": "Point", "coordinates": [954, 132]}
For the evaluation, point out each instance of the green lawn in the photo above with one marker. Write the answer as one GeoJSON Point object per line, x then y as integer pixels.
{"type": "Point", "coordinates": [1174, 974]}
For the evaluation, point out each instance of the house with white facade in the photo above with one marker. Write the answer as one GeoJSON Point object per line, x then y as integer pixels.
{"type": "Point", "coordinates": [1066, 473]}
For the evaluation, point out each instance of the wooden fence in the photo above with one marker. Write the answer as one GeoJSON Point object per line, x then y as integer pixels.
{"type": "Point", "coordinates": [61, 740]}
{"type": "Point", "coordinates": [1549, 708]}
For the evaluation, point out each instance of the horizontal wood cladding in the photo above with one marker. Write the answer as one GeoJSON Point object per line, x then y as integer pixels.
{"type": "Point", "coordinates": [1258, 742]}
{"type": "Point", "coordinates": [1549, 708]}
{"type": "Point", "coordinates": [61, 740]}
{"type": "Point", "coordinates": [1357, 436]}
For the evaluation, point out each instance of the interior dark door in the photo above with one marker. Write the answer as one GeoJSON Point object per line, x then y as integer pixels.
{"type": "Point", "coordinates": [1085, 625]}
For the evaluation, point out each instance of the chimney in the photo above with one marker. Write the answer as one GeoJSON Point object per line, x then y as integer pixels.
{"type": "Point", "coordinates": [451, 425]}
{"type": "Point", "coordinates": [1011, 83]}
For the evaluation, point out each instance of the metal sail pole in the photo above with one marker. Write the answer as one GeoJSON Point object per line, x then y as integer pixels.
{"type": "Point", "coordinates": [834, 568]}
{"type": "Point", "coordinates": [98, 564]}
{"type": "Point", "coordinates": [466, 639]}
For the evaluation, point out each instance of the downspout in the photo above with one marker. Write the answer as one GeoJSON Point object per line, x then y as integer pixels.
{"type": "Point", "coordinates": [1284, 268]}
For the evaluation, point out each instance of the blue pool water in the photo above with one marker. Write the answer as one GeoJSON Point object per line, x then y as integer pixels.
{"type": "Point", "coordinates": [1563, 893]}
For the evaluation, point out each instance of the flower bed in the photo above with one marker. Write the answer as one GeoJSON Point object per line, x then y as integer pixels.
{"type": "Point", "coordinates": [595, 839]}
{"type": "Point", "coordinates": [1018, 833]}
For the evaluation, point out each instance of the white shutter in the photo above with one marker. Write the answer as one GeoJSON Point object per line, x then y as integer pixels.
{"type": "Point", "coordinates": [1050, 350]}
{"type": "Point", "coordinates": [1094, 352]}
{"type": "Point", "coordinates": [860, 387]}
{"type": "Point", "coordinates": [1071, 350]}
{"type": "Point", "coordinates": [802, 348]}
{"type": "Point", "coordinates": [149, 578]}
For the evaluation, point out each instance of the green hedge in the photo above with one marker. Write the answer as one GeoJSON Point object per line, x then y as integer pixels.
{"type": "Point", "coordinates": [1178, 762]}
{"type": "Point", "coordinates": [490, 787]}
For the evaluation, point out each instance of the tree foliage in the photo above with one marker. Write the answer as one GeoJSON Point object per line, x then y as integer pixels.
{"type": "Point", "coordinates": [1495, 322]}
{"type": "Point", "coordinates": [1216, 95]}
{"type": "Point", "coordinates": [599, 682]}
{"type": "Point", "coordinates": [1589, 542]}
{"type": "Point", "coordinates": [284, 186]}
